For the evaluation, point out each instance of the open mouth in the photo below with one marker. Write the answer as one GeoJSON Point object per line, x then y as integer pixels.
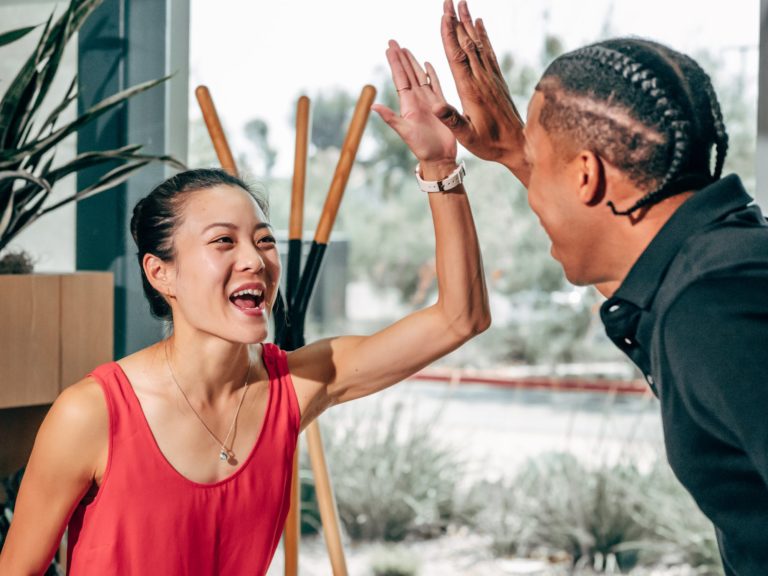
{"type": "Point", "coordinates": [250, 301]}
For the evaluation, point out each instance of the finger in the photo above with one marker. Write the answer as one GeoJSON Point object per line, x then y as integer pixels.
{"type": "Point", "coordinates": [488, 51]}
{"type": "Point", "coordinates": [399, 75]}
{"type": "Point", "coordinates": [469, 47]}
{"type": "Point", "coordinates": [388, 115]}
{"type": "Point", "coordinates": [466, 20]}
{"type": "Point", "coordinates": [434, 81]}
{"type": "Point", "coordinates": [421, 76]}
{"type": "Point", "coordinates": [457, 123]}
{"type": "Point", "coordinates": [457, 59]}
{"type": "Point", "coordinates": [448, 8]}
{"type": "Point", "coordinates": [409, 71]}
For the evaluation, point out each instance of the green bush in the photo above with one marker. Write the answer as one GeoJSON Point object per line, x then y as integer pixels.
{"type": "Point", "coordinates": [612, 516]}
{"type": "Point", "coordinates": [390, 561]}
{"type": "Point", "coordinates": [680, 532]}
{"type": "Point", "coordinates": [392, 476]}
{"type": "Point", "coordinates": [591, 515]}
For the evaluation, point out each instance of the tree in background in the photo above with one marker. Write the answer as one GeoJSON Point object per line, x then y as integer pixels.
{"type": "Point", "coordinates": [257, 133]}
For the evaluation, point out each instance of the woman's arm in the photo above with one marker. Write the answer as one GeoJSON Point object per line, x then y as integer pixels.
{"type": "Point", "coordinates": [68, 456]}
{"type": "Point", "coordinates": [341, 369]}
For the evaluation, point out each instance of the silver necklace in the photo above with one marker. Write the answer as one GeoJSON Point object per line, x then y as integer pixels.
{"type": "Point", "coordinates": [225, 454]}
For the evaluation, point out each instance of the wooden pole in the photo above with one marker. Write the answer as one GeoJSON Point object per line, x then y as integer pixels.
{"type": "Point", "coordinates": [296, 225]}
{"type": "Point", "coordinates": [292, 532]}
{"type": "Point", "coordinates": [344, 165]}
{"type": "Point", "coordinates": [332, 202]}
{"type": "Point", "coordinates": [325, 501]}
{"type": "Point", "coordinates": [215, 130]}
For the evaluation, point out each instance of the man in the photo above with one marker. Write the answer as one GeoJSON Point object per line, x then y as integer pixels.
{"type": "Point", "coordinates": [616, 157]}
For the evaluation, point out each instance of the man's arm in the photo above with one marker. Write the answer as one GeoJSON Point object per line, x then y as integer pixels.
{"type": "Point", "coordinates": [490, 126]}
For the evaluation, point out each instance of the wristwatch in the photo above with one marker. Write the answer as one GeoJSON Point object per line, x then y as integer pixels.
{"type": "Point", "coordinates": [450, 182]}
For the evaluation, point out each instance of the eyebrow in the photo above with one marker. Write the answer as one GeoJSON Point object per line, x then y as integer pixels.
{"type": "Point", "coordinates": [231, 226]}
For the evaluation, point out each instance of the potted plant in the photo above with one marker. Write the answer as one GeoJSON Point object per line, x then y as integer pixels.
{"type": "Point", "coordinates": [53, 327]}
{"type": "Point", "coordinates": [37, 310]}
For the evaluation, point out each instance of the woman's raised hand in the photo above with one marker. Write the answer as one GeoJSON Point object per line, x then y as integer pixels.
{"type": "Point", "coordinates": [490, 127]}
{"type": "Point", "coordinates": [419, 92]}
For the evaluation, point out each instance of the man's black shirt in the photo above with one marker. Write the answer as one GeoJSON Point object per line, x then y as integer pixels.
{"type": "Point", "coordinates": [692, 314]}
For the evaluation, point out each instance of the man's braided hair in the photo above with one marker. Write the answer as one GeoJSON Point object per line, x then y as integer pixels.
{"type": "Point", "coordinates": [645, 108]}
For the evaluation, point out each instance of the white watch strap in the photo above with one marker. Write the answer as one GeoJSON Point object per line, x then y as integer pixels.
{"type": "Point", "coordinates": [451, 181]}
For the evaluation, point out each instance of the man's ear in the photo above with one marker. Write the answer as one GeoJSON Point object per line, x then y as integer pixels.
{"type": "Point", "coordinates": [159, 274]}
{"type": "Point", "coordinates": [590, 172]}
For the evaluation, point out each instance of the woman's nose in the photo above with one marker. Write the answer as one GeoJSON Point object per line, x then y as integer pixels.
{"type": "Point", "coordinates": [251, 259]}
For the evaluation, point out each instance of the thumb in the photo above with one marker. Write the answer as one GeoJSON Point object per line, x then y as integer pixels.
{"type": "Point", "coordinates": [388, 115]}
{"type": "Point", "coordinates": [456, 122]}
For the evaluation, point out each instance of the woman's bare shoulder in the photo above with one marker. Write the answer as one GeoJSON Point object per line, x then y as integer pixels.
{"type": "Point", "coordinates": [81, 404]}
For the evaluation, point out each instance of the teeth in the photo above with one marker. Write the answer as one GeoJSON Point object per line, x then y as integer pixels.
{"type": "Point", "coordinates": [250, 291]}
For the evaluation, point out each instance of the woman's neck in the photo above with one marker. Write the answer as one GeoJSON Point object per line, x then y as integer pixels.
{"type": "Point", "coordinates": [206, 367]}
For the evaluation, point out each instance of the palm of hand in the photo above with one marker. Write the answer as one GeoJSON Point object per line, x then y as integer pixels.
{"type": "Point", "coordinates": [422, 131]}
{"type": "Point", "coordinates": [419, 93]}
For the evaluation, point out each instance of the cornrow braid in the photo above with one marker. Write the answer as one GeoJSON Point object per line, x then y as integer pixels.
{"type": "Point", "coordinates": [672, 118]}
{"type": "Point", "coordinates": [650, 111]}
{"type": "Point", "coordinates": [721, 134]}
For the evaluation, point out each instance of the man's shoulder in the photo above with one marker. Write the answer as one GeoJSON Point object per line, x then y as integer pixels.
{"type": "Point", "coordinates": [720, 309]}
{"type": "Point", "coordinates": [716, 259]}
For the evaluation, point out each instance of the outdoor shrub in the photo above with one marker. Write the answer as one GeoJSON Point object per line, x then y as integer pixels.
{"type": "Point", "coordinates": [557, 505]}
{"type": "Point", "coordinates": [680, 531]}
{"type": "Point", "coordinates": [391, 561]}
{"type": "Point", "coordinates": [606, 517]}
{"type": "Point", "coordinates": [392, 476]}
{"type": "Point", "coordinates": [310, 512]}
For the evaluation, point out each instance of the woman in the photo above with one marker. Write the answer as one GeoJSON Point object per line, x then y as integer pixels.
{"type": "Point", "coordinates": [177, 459]}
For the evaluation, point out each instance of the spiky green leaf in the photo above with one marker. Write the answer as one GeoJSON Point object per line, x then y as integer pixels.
{"type": "Point", "coordinates": [39, 147]}
{"type": "Point", "coordinates": [13, 35]}
{"type": "Point", "coordinates": [109, 180]}
{"type": "Point", "coordinates": [10, 208]}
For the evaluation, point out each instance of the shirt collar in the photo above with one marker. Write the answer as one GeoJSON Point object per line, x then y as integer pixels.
{"type": "Point", "coordinates": [704, 207]}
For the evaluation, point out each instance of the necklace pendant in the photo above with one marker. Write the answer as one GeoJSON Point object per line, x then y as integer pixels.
{"type": "Point", "coordinates": [224, 455]}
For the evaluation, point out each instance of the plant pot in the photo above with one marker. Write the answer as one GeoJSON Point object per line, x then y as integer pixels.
{"type": "Point", "coordinates": [54, 329]}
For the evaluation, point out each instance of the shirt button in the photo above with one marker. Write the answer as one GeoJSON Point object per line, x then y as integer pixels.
{"type": "Point", "coordinates": [614, 308]}
{"type": "Point", "coordinates": [649, 379]}
{"type": "Point", "coordinates": [628, 341]}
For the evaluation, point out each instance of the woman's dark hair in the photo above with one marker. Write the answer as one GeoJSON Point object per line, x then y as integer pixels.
{"type": "Point", "coordinates": [648, 110]}
{"type": "Point", "coordinates": [157, 216]}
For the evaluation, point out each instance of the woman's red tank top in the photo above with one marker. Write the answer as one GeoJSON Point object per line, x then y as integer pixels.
{"type": "Point", "coordinates": [149, 519]}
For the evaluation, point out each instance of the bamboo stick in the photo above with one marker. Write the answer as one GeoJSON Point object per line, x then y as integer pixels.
{"type": "Point", "coordinates": [345, 163]}
{"type": "Point", "coordinates": [299, 169]}
{"type": "Point", "coordinates": [292, 531]}
{"type": "Point", "coordinates": [325, 501]}
{"type": "Point", "coordinates": [215, 130]}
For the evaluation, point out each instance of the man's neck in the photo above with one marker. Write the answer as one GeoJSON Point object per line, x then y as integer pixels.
{"type": "Point", "coordinates": [633, 240]}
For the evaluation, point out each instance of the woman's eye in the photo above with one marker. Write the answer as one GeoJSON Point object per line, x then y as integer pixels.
{"type": "Point", "coordinates": [223, 240]}
{"type": "Point", "coordinates": [267, 240]}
